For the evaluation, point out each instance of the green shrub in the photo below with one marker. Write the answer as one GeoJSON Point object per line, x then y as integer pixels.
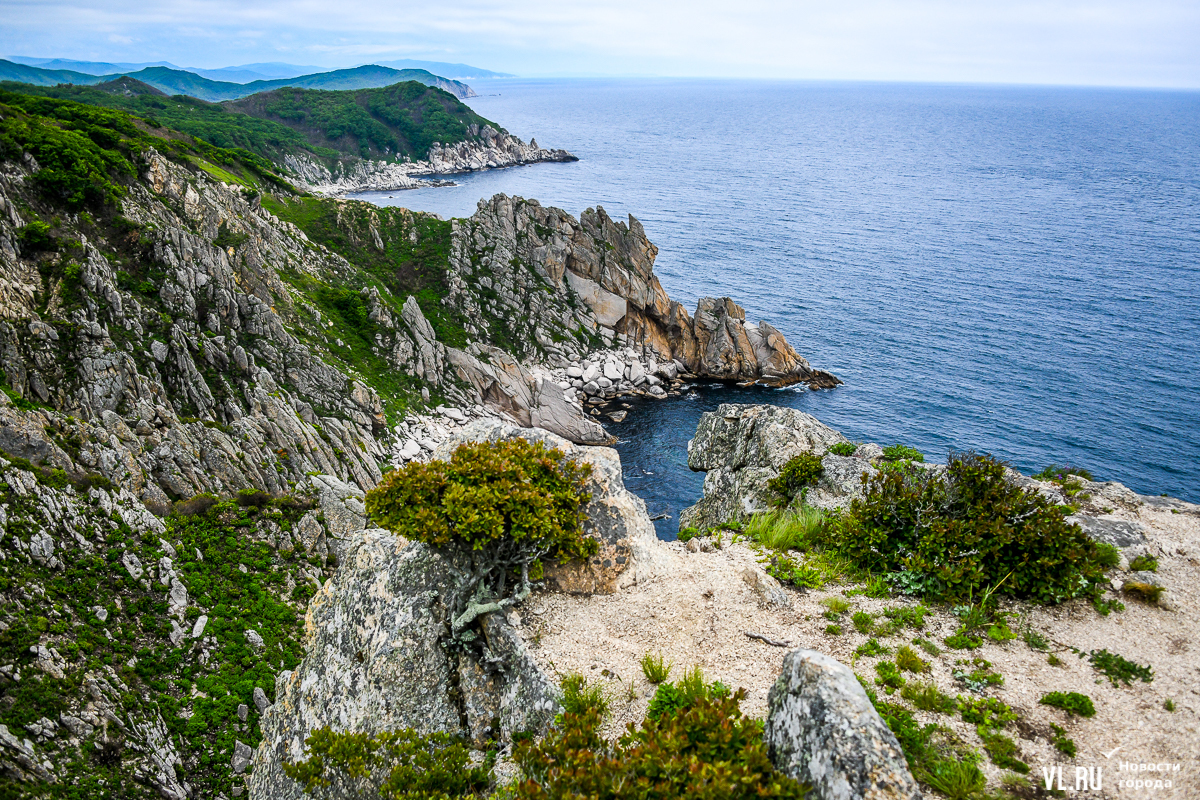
{"type": "Point", "coordinates": [793, 572]}
{"type": "Point", "coordinates": [1059, 474]}
{"type": "Point", "coordinates": [1169, 705]}
{"type": "Point", "coordinates": [1003, 751]}
{"type": "Point", "coordinates": [670, 698]}
{"type": "Point", "coordinates": [1071, 702]}
{"type": "Point", "coordinates": [927, 697]}
{"type": "Point", "coordinates": [987, 712]}
{"type": "Point", "coordinates": [35, 237]}
{"type": "Point", "coordinates": [253, 498]}
{"type": "Point", "coordinates": [655, 668]}
{"type": "Point", "coordinates": [1144, 563]}
{"type": "Point", "coordinates": [704, 751]}
{"type": "Point", "coordinates": [871, 647]}
{"type": "Point", "coordinates": [1117, 668]}
{"type": "Point", "coordinates": [928, 646]}
{"type": "Point", "coordinates": [976, 674]}
{"type": "Point", "coordinates": [418, 767]}
{"type": "Point", "coordinates": [833, 630]}
{"type": "Point", "coordinates": [908, 660]}
{"type": "Point", "coordinates": [688, 533]}
{"type": "Point", "coordinates": [843, 449]}
{"type": "Point", "coordinates": [499, 507]}
{"type": "Point", "coordinates": [912, 616]}
{"type": "Point", "coordinates": [965, 531]}
{"type": "Point", "coordinates": [1035, 640]}
{"type": "Point", "coordinates": [196, 506]}
{"type": "Point", "coordinates": [901, 452]}
{"type": "Point", "coordinates": [1107, 555]}
{"type": "Point", "coordinates": [797, 474]}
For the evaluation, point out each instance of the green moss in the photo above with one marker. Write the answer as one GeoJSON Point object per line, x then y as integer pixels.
{"type": "Point", "coordinates": [1071, 702]}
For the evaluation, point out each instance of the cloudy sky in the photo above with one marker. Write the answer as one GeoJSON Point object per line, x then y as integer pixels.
{"type": "Point", "coordinates": [1096, 42]}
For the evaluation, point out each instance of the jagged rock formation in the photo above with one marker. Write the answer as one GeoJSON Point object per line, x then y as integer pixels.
{"type": "Point", "coordinates": [487, 149]}
{"type": "Point", "coordinates": [602, 276]}
{"type": "Point", "coordinates": [741, 447]}
{"type": "Point", "coordinates": [823, 730]}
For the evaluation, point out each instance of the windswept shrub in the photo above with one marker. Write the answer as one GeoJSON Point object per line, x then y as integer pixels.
{"type": "Point", "coordinates": [35, 237]}
{"type": "Point", "coordinates": [797, 475]}
{"type": "Point", "coordinates": [843, 449]}
{"type": "Point", "coordinates": [966, 531]}
{"type": "Point", "coordinates": [255, 498]}
{"type": "Point", "coordinates": [706, 750]}
{"type": "Point", "coordinates": [411, 766]}
{"type": "Point", "coordinates": [902, 452]}
{"type": "Point", "coordinates": [496, 507]}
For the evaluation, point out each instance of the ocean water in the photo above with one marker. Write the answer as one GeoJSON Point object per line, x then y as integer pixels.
{"type": "Point", "coordinates": [1010, 269]}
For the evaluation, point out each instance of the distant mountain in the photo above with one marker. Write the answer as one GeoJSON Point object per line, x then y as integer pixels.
{"type": "Point", "coordinates": [263, 71]}
{"type": "Point", "coordinates": [90, 67]}
{"type": "Point", "coordinates": [177, 81]}
{"type": "Point", "coordinates": [463, 72]}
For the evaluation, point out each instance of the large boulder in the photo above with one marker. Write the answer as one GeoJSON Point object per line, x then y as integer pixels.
{"type": "Point", "coordinates": [741, 447]}
{"type": "Point", "coordinates": [629, 548]}
{"type": "Point", "coordinates": [822, 729]}
{"type": "Point", "coordinates": [375, 660]}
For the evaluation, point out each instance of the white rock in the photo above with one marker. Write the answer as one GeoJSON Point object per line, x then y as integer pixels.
{"type": "Point", "coordinates": [635, 371]}
{"type": "Point", "coordinates": [455, 414]}
{"type": "Point", "coordinates": [198, 628]}
{"type": "Point", "coordinates": [613, 371]}
{"type": "Point", "coordinates": [574, 372]}
{"type": "Point", "coordinates": [590, 374]}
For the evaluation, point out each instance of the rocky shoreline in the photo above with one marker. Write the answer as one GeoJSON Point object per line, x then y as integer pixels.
{"type": "Point", "coordinates": [488, 149]}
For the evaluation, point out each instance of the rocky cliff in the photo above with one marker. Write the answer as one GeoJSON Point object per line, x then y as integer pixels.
{"type": "Point", "coordinates": [486, 149]}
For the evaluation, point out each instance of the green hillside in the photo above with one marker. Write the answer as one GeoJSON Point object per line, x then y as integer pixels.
{"type": "Point", "coordinates": [177, 81]}
{"type": "Point", "coordinates": [392, 122]}
{"type": "Point", "coordinates": [396, 121]}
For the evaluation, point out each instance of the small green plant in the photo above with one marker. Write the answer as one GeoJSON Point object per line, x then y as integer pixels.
{"type": "Point", "coordinates": [863, 622]}
{"type": "Point", "coordinates": [1054, 660]}
{"type": "Point", "coordinates": [580, 696]}
{"type": "Point", "coordinates": [835, 607]}
{"type": "Point", "coordinates": [1058, 474]}
{"type": "Point", "coordinates": [958, 780]}
{"type": "Point", "coordinates": [688, 533]}
{"type": "Point", "coordinates": [1117, 668]}
{"type": "Point", "coordinates": [833, 630]}
{"type": "Point", "coordinates": [927, 697]}
{"type": "Point", "coordinates": [1034, 640]}
{"type": "Point", "coordinates": [1060, 741]}
{"type": "Point", "coordinates": [793, 572]}
{"type": "Point", "coordinates": [902, 452]}
{"type": "Point", "coordinates": [889, 675]}
{"type": "Point", "coordinates": [908, 660]}
{"type": "Point", "coordinates": [963, 641]}
{"type": "Point", "coordinates": [1071, 702]}
{"type": "Point", "coordinates": [1146, 592]}
{"type": "Point", "coordinates": [987, 712]}
{"type": "Point", "coordinates": [1169, 705]}
{"type": "Point", "coordinates": [928, 646]}
{"type": "Point", "coordinates": [976, 674]}
{"type": "Point", "coordinates": [655, 668]}
{"type": "Point", "coordinates": [1000, 632]}
{"type": "Point", "coordinates": [870, 648]}
{"type": "Point", "coordinates": [843, 449]}
{"type": "Point", "coordinates": [1144, 563]}
{"type": "Point", "coordinates": [912, 616]}
{"type": "Point", "coordinates": [1107, 555]}
{"type": "Point", "coordinates": [796, 476]}
{"type": "Point", "coordinates": [1104, 606]}
{"type": "Point", "coordinates": [420, 767]}
{"type": "Point", "coordinates": [1003, 751]}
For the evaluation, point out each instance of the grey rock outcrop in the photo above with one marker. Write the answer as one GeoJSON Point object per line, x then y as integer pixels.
{"type": "Point", "coordinates": [375, 661]}
{"type": "Point", "coordinates": [822, 729]}
{"type": "Point", "coordinates": [741, 447]}
{"type": "Point", "coordinates": [629, 549]}
{"type": "Point", "coordinates": [487, 148]}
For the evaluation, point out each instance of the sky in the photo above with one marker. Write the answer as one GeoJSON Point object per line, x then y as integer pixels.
{"type": "Point", "coordinates": [1154, 43]}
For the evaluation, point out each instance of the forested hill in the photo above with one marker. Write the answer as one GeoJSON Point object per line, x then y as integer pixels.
{"type": "Point", "coordinates": [400, 120]}
{"type": "Point", "coordinates": [395, 121]}
{"type": "Point", "coordinates": [176, 81]}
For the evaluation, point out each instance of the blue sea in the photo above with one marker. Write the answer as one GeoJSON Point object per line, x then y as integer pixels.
{"type": "Point", "coordinates": [1010, 269]}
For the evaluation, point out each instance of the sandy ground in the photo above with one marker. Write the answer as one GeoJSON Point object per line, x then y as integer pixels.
{"type": "Point", "coordinates": [700, 610]}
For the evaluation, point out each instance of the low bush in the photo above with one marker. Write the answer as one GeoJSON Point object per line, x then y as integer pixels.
{"type": "Point", "coordinates": [863, 622]}
{"type": "Point", "coordinates": [843, 449]}
{"type": "Point", "coordinates": [1003, 751]}
{"type": "Point", "coordinates": [1059, 474]}
{"type": "Point", "coordinates": [908, 660]}
{"type": "Point", "coordinates": [797, 475]}
{"type": "Point", "coordinates": [965, 531]}
{"type": "Point", "coordinates": [1107, 555]}
{"type": "Point", "coordinates": [35, 237]}
{"type": "Point", "coordinates": [871, 647]}
{"type": "Point", "coordinates": [413, 766]}
{"type": "Point", "coordinates": [902, 452]}
{"type": "Point", "coordinates": [196, 506]}
{"type": "Point", "coordinates": [1144, 563]}
{"type": "Point", "coordinates": [253, 498]}
{"type": "Point", "coordinates": [498, 507]}
{"type": "Point", "coordinates": [888, 675]}
{"type": "Point", "coordinates": [1071, 702]}
{"type": "Point", "coordinates": [1061, 743]}
{"type": "Point", "coordinates": [671, 698]}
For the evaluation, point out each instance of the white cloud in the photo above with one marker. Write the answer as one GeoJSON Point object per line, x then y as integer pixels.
{"type": "Point", "coordinates": [1116, 42]}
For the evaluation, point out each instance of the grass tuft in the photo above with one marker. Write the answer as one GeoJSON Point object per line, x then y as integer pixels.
{"type": "Point", "coordinates": [655, 668]}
